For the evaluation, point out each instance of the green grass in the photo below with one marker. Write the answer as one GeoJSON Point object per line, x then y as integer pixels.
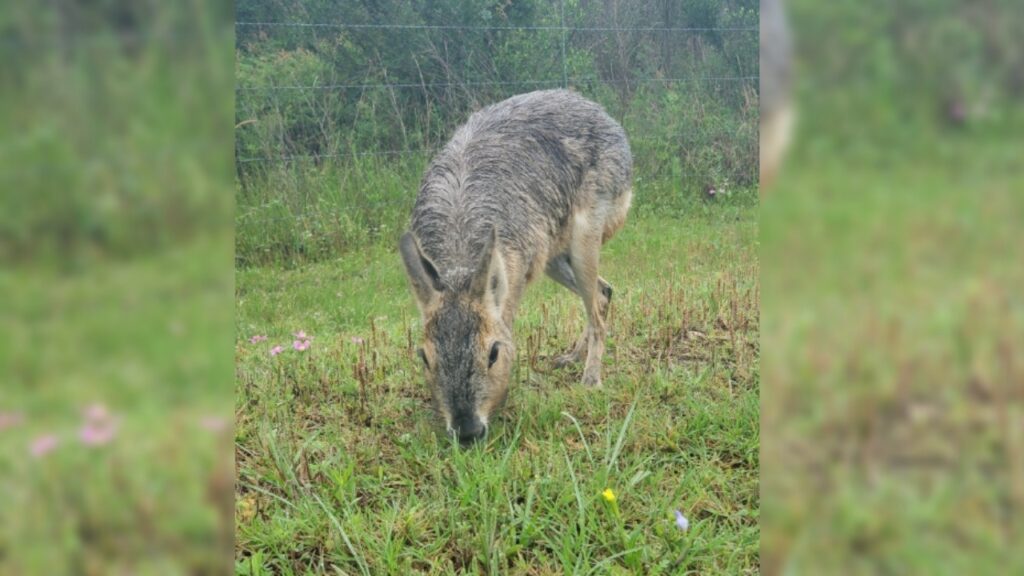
{"type": "Point", "coordinates": [115, 275]}
{"type": "Point", "coordinates": [299, 212]}
{"type": "Point", "coordinates": [111, 152]}
{"type": "Point", "coordinates": [892, 318]}
{"type": "Point", "coordinates": [341, 466]}
{"type": "Point", "coordinates": [146, 339]}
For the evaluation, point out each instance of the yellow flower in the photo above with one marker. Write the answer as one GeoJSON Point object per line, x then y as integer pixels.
{"type": "Point", "coordinates": [608, 495]}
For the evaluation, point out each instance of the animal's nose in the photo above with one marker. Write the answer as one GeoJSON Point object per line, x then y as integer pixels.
{"type": "Point", "coordinates": [468, 429]}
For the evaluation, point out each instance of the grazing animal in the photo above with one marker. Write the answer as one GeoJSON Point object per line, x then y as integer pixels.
{"type": "Point", "coordinates": [536, 183]}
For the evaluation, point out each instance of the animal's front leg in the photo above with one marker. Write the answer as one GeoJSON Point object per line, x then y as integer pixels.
{"type": "Point", "coordinates": [585, 256]}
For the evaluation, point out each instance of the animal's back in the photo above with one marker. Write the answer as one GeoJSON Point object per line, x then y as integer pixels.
{"type": "Point", "coordinates": [524, 166]}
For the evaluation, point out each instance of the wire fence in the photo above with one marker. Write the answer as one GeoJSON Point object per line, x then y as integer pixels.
{"type": "Point", "coordinates": [564, 82]}
{"type": "Point", "coordinates": [572, 80]}
{"type": "Point", "coordinates": [535, 83]}
{"type": "Point", "coordinates": [494, 28]}
{"type": "Point", "coordinates": [418, 152]}
{"type": "Point", "coordinates": [299, 221]}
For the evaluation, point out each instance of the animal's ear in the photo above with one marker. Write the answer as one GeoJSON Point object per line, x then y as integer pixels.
{"type": "Point", "coordinates": [490, 282]}
{"type": "Point", "coordinates": [426, 282]}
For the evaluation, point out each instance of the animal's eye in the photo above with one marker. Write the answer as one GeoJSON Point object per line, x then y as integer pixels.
{"type": "Point", "coordinates": [494, 355]}
{"type": "Point", "coordinates": [423, 356]}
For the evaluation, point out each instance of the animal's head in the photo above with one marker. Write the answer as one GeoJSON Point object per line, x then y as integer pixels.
{"type": "Point", "coordinates": [467, 349]}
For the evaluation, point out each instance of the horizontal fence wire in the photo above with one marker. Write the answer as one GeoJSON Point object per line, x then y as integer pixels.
{"type": "Point", "coordinates": [408, 152]}
{"type": "Point", "coordinates": [273, 88]}
{"type": "Point", "coordinates": [409, 85]}
{"type": "Point", "coordinates": [465, 27]}
{"type": "Point", "coordinates": [552, 82]}
{"type": "Point", "coordinates": [294, 157]}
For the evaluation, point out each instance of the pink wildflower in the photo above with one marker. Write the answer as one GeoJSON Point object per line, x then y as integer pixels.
{"type": "Point", "coordinates": [300, 344]}
{"type": "Point", "coordinates": [99, 427]}
{"type": "Point", "coordinates": [96, 413]}
{"type": "Point", "coordinates": [97, 433]}
{"type": "Point", "coordinates": [213, 423]}
{"type": "Point", "coordinates": [10, 420]}
{"type": "Point", "coordinates": [276, 350]}
{"type": "Point", "coordinates": [257, 339]}
{"type": "Point", "coordinates": [43, 445]}
{"type": "Point", "coordinates": [301, 335]}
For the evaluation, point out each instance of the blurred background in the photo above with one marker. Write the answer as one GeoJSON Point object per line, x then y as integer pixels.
{"type": "Point", "coordinates": [893, 398]}
{"type": "Point", "coordinates": [115, 276]}
{"type": "Point", "coordinates": [893, 406]}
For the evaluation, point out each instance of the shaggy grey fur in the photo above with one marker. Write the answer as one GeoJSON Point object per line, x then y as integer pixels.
{"type": "Point", "coordinates": [531, 184]}
{"type": "Point", "coordinates": [517, 166]}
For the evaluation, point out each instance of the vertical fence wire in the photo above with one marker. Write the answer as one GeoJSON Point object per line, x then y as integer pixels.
{"type": "Point", "coordinates": [565, 74]}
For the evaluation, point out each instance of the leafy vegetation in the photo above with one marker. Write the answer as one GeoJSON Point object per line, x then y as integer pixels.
{"type": "Point", "coordinates": [334, 122]}
{"type": "Point", "coordinates": [114, 134]}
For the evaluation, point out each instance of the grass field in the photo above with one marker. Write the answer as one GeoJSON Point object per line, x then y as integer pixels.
{"type": "Point", "coordinates": [894, 405]}
{"type": "Point", "coordinates": [116, 280]}
{"type": "Point", "coordinates": [342, 469]}
{"type": "Point", "coordinates": [115, 443]}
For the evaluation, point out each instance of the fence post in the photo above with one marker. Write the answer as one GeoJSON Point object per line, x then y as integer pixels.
{"type": "Point", "coordinates": [565, 76]}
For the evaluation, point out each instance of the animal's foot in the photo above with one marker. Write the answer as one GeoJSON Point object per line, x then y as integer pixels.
{"type": "Point", "coordinates": [567, 359]}
{"type": "Point", "coordinates": [592, 378]}
{"type": "Point", "coordinates": [574, 355]}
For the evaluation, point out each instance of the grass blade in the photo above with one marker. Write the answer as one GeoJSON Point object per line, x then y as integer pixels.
{"type": "Point", "coordinates": [583, 439]}
{"type": "Point", "coordinates": [344, 536]}
{"type": "Point", "coordinates": [622, 436]}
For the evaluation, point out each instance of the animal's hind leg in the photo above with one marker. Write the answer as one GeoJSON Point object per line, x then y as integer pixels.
{"type": "Point", "coordinates": [606, 297]}
{"type": "Point", "coordinates": [560, 270]}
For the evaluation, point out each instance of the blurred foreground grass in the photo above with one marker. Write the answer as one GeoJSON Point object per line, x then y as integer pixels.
{"type": "Point", "coordinates": [147, 486]}
{"type": "Point", "coordinates": [893, 409]}
{"type": "Point", "coordinates": [115, 244]}
{"type": "Point", "coordinates": [894, 423]}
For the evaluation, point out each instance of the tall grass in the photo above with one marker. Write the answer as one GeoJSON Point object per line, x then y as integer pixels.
{"type": "Point", "coordinates": [111, 133]}
{"type": "Point", "coordinates": [299, 209]}
{"type": "Point", "coordinates": [306, 212]}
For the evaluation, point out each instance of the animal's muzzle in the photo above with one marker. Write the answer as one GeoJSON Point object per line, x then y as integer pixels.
{"type": "Point", "coordinates": [468, 429]}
